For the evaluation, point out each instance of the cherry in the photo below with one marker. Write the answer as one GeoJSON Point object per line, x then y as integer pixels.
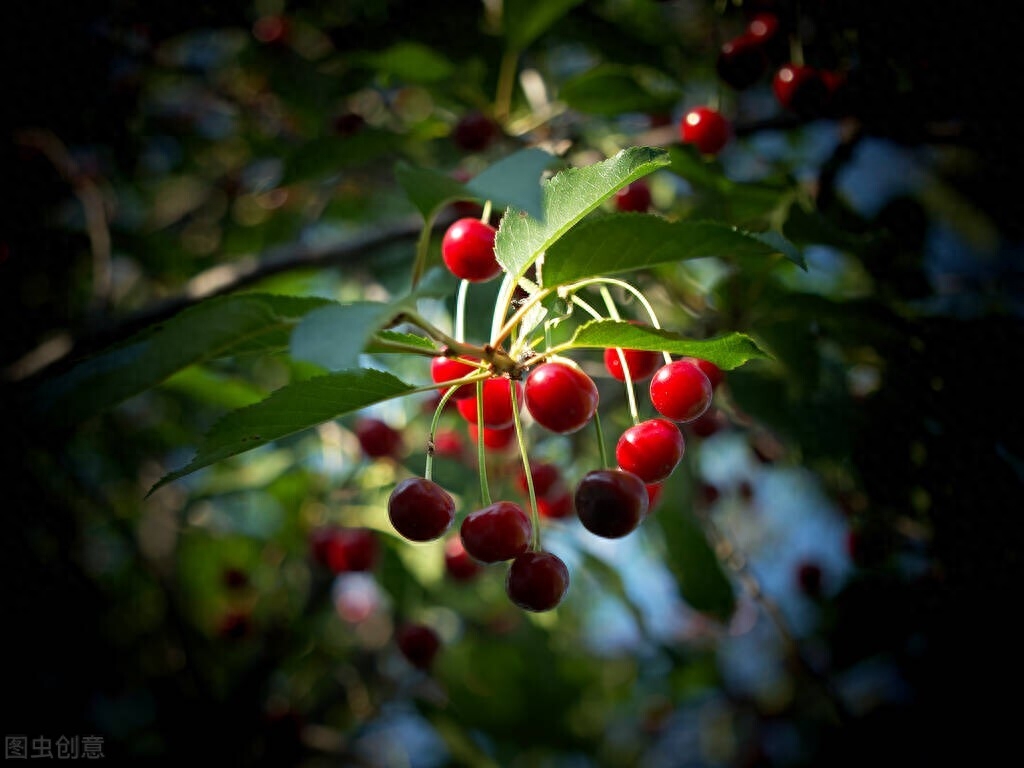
{"type": "Point", "coordinates": [420, 509]}
{"type": "Point", "coordinates": [445, 369]}
{"type": "Point", "coordinates": [235, 625]}
{"type": "Point", "coordinates": [641, 363]}
{"type": "Point", "coordinates": [653, 495]}
{"type": "Point", "coordinates": [474, 131]}
{"type": "Point", "coordinates": [378, 439]}
{"type": "Point", "coordinates": [448, 442]}
{"type": "Point", "coordinates": [634, 197]}
{"type": "Point", "coordinates": [556, 505]}
{"type": "Point", "coordinates": [708, 423]}
{"type": "Point", "coordinates": [546, 478]}
{"type": "Point", "coordinates": [498, 532]}
{"type": "Point", "coordinates": [467, 249]}
{"type": "Point", "coordinates": [497, 439]}
{"type": "Point", "coordinates": [560, 397]}
{"type": "Point", "coordinates": [271, 29]}
{"type": "Point", "coordinates": [611, 502]}
{"type": "Point", "coordinates": [537, 581]}
{"type": "Point", "coordinates": [706, 129]}
{"type": "Point", "coordinates": [497, 404]}
{"type": "Point", "coordinates": [457, 561]}
{"type": "Point", "coordinates": [767, 31]}
{"type": "Point", "coordinates": [344, 549]}
{"type": "Point", "coordinates": [651, 449]}
{"type": "Point", "coordinates": [680, 391]}
{"type": "Point", "coordinates": [741, 61]}
{"type": "Point", "coordinates": [419, 644]}
{"type": "Point", "coordinates": [712, 371]}
{"type": "Point", "coordinates": [801, 90]}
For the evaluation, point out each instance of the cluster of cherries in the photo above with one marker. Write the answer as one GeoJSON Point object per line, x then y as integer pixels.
{"type": "Point", "coordinates": [561, 398]}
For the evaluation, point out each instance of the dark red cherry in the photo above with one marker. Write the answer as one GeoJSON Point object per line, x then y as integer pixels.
{"type": "Point", "coordinates": [641, 363]}
{"type": "Point", "coordinates": [344, 550]}
{"type": "Point", "coordinates": [712, 371]}
{"type": "Point", "coordinates": [801, 90]}
{"type": "Point", "coordinates": [561, 397]}
{"type": "Point", "coordinates": [498, 532]}
{"type": "Point", "coordinates": [474, 132]}
{"type": "Point", "coordinates": [742, 61]}
{"type": "Point", "coordinates": [420, 509]}
{"type": "Point", "coordinates": [650, 449]}
{"type": "Point", "coordinates": [556, 505]}
{"type": "Point", "coordinates": [706, 129]}
{"type": "Point", "coordinates": [378, 439]}
{"type": "Point", "coordinates": [457, 561]}
{"type": "Point", "coordinates": [537, 581]}
{"type": "Point", "coordinates": [496, 439]}
{"type": "Point", "coordinates": [611, 502]}
{"type": "Point", "coordinates": [467, 249]}
{"type": "Point", "coordinates": [680, 391]}
{"type": "Point", "coordinates": [419, 644]}
{"type": "Point", "coordinates": [546, 478]}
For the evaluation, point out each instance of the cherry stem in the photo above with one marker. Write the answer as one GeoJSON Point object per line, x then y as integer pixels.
{"type": "Point", "coordinates": [429, 468]}
{"type": "Point", "coordinates": [613, 311]}
{"type": "Point", "coordinates": [499, 335]}
{"type": "Point", "coordinates": [506, 81]}
{"type": "Point", "coordinates": [485, 215]}
{"type": "Point", "coordinates": [521, 439]}
{"type": "Point", "coordinates": [481, 449]}
{"type": "Point", "coordinates": [460, 310]}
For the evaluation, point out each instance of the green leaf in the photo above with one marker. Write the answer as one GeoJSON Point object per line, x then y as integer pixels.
{"type": "Point", "coordinates": [568, 197]}
{"type": "Point", "coordinates": [702, 582]}
{"type": "Point", "coordinates": [526, 20]}
{"type": "Point", "coordinates": [622, 242]}
{"type": "Point", "coordinates": [405, 339]}
{"type": "Point", "coordinates": [329, 154]}
{"type": "Point", "coordinates": [207, 386]}
{"type": "Point", "coordinates": [512, 181]}
{"type": "Point", "coordinates": [727, 352]}
{"type": "Point", "coordinates": [214, 328]}
{"type": "Point", "coordinates": [410, 62]}
{"type": "Point", "coordinates": [611, 89]}
{"type": "Point", "coordinates": [334, 336]}
{"type": "Point", "coordinates": [288, 410]}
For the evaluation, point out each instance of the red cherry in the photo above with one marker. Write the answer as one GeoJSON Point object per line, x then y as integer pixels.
{"type": "Point", "coordinates": [767, 31]}
{"type": "Point", "coordinates": [497, 439]}
{"type": "Point", "coordinates": [537, 581]}
{"type": "Point", "coordinates": [611, 502]}
{"type": "Point", "coordinates": [419, 644]}
{"type": "Point", "coordinates": [680, 391]}
{"type": "Point", "coordinates": [651, 449]}
{"type": "Point", "coordinates": [708, 423]}
{"type": "Point", "coordinates": [420, 509]}
{"type": "Point", "coordinates": [344, 550]}
{"type": "Point", "coordinates": [378, 439]}
{"type": "Point", "coordinates": [641, 363]}
{"type": "Point", "coordinates": [497, 408]}
{"type": "Point", "coordinates": [634, 197]}
{"type": "Point", "coordinates": [801, 90]}
{"type": "Point", "coordinates": [467, 249]}
{"type": "Point", "coordinates": [741, 61]}
{"type": "Point", "coordinates": [445, 369]}
{"type": "Point", "coordinates": [271, 30]}
{"type": "Point", "coordinates": [474, 132]}
{"type": "Point", "coordinates": [712, 371]}
{"type": "Point", "coordinates": [457, 561]}
{"type": "Point", "coordinates": [561, 397]}
{"type": "Point", "coordinates": [498, 532]}
{"type": "Point", "coordinates": [706, 129]}
{"type": "Point", "coordinates": [653, 495]}
{"type": "Point", "coordinates": [448, 442]}
{"type": "Point", "coordinates": [555, 506]}
{"type": "Point", "coordinates": [546, 478]}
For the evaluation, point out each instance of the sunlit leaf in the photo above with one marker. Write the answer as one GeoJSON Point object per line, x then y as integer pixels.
{"type": "Point", "coordinates": [214, 328]}
{"type": "Point", "coordinates": [288, 410]}
{"type": "Point", "coordinates": [623, 242]}
{"type": "Point", "coordinates": [568, 197]}
{"type": "Point", "coordinates": [410, 62]}
{"type": "Point", "coordinates": [727, 352]}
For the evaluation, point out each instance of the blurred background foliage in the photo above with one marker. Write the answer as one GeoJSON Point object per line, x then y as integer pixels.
{"type": "Point", "coordinates": [829, 580]}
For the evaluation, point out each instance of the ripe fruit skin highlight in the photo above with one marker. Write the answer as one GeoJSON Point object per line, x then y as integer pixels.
{"type": "Point", "coordinates": [420, 509]}
{"type": "Point", "coordinates": [611, 502]}
{"type": "Point", "coordinates": [681, 391]}
{"type": "Point", "coordinates": [651, 449]}
{"type": "Point", "coordinates": [706, 129]}
{"type": "Point", "coordinates": [468, 250]}
{"type": "Point", "coordinates": [498, 532]}
{"type": "Point", "coordinates": [561, 397]}
{"type": "Point", "coordinates": [537, 581]}
{"type": "Point", "coordinates": [419, 644]}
